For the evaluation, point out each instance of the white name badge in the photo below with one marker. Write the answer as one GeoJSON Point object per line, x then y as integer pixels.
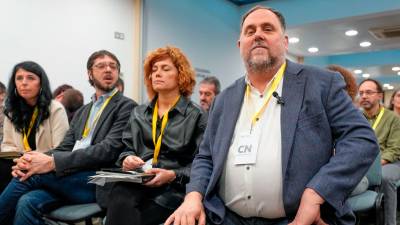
{"type": "Point", "coordinates": [84, 143]}
{"type": "Point", "coordinates": [246, 150]}
{"type": "Point", "coordinates": [147, 165]}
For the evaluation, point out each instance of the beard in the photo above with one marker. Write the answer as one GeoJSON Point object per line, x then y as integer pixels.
{"type": "Point", "coordinates": [366, 105]}
{"type": "Point", "coordinates": [100, 86]}
{"type": "Point", "coordinates": [261, 63]}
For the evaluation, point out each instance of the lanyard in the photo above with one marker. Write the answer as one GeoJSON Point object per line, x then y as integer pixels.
{"type": "Point", "coordinates": [276, 80]}
{"type": "Point", "coordinates": [27, 148]}
{"type": "Point", "coordinates": [87, 129]}
{"type": "Point", "coordinates": [157, 144]}
{"type": "Point", "coordinates": [378, 119]}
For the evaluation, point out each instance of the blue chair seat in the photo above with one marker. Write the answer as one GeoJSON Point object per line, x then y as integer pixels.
{"type": "Point", "coordinates": [75, 213]}
{"type": "Point", "coordinates": [398, 183]}
{"type": "Point", "coordinates": [364, 201]}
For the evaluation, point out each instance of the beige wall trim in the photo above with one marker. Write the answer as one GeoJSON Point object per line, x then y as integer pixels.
{"type": "Point", "coordinates": [137, 50]}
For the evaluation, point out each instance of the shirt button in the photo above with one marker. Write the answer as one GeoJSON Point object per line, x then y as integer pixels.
{"type": "Point", "coordinates": [248, 167]}
{"type": "Point", "coordinates": [249, 197]}
{"type": "Point", "coordinates": [261, 96]}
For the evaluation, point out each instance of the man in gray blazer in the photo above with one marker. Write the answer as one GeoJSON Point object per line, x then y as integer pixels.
{"type": "Point", "coordinates": [94, 141]}
{"type": "Point", "coordinates": [267, 154]}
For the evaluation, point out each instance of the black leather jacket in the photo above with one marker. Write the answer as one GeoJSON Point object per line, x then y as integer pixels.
{"type": "Point", "coordinates": [181, 140]}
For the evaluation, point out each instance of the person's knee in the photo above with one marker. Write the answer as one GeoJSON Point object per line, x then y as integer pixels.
{"type": "Point", "coordinates": [25, 205]}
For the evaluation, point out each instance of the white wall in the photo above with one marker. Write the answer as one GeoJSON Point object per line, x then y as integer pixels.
{"type": "Point", "coordinates": [205, 30]}
{"type": "Point", "coordinates": [60, 36]}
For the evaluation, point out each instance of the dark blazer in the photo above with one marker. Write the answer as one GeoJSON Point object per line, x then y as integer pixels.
{"type": "Point", "coordinates": [106, 143]}
{"type": "Point", "coordinates": [317, 113]}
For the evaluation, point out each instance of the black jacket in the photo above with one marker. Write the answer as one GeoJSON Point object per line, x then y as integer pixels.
{"type": "Point", "coordinates": [106, 143]}
{"type": "Point", "coordinates": [180, 143]}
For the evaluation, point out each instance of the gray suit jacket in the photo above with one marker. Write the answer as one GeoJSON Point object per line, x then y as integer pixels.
{"type": "Point", "coordinates": [317, 116]}
{"type": "Point", "coordinates": [106, 144]}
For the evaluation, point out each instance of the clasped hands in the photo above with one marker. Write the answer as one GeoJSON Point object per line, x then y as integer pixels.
{"type": "Point", "coordinates": [162, 176]}
{"type": "Point", "coordinates": [32, 163]}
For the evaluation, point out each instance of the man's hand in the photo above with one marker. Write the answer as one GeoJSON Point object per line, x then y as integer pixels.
{"type": "Point", "coordinates": [309, 210]}
{"type": "Point", "coordinates": [189, 212]}
{"type": "Point", "coordinates": [131, 163]}
{"type": "Point", "coordinates": [32, 163]}
{"type": "Point", "coordinates": [384, 162]}
{"type": "Point", "coordinates": [163, 176]}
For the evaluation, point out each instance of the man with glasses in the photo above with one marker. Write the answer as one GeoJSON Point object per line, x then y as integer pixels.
{"type": "Point", "coordinates": [94, 141]}
{"type": "Point", "coordinates": [387, 129]}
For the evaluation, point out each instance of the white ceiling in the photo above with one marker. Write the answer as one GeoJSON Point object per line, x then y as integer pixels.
{"type": "Point", "coordinates": [329, 37]}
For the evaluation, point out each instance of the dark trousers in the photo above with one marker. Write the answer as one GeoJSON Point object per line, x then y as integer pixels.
{"type": "Point", "coordinates": [5, 173]}
{"type": "Point", "coordinates": [132, 204]}
{"type": "Point", "coordinates": [232, 218]}
{"type": "Point", "coordinates": [23, 203]}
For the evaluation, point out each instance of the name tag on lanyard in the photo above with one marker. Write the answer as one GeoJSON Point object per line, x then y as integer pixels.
{"type": "Point", "coordinates": [80, 144]}
{"type": "Point", "coordinates": [247, 147]}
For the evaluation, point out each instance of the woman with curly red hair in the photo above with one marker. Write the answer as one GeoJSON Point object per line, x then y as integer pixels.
{"type": "Point", "coordinates": [162, 138]}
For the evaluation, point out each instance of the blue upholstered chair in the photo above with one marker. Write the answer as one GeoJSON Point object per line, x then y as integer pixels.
{"type": "Point", "coordinates": [72, 214]}
{"type": "Point", "coordinates": [372, 199]}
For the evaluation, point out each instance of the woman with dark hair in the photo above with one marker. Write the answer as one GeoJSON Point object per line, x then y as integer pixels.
{"type": "Point", "coordinates": [162, 138]}
{"type": "Point", "coordinates": [395, 102]}
{"type": "Point", "coordinates": [33, 121]}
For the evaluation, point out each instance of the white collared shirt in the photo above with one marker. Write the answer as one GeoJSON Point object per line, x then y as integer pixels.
{"type": "Point", "coordinates": [255, 190]}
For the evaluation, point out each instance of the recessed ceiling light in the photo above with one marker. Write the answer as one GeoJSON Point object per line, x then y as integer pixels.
{"type": "Point", "coordinates": [386, 85]}
{"type": "Point", "coordinates": [366, 75]}
{"type": "Point", "coordinates": [294, 40]}
{"type": "Point", "coordinates": [357, 71]}
{"type": "Point", "coordinates": [365, 44]}
{"type": "Point", "coordinates": [396, 68]}
{"type": "Point", "coordinates": [351, 33]}
{"type": "Point", "coordinates": [390, 87]}
{"type": "Point", "coordinates": [313, 49]}
{"type": "Point", "coordinates": [398, 73]}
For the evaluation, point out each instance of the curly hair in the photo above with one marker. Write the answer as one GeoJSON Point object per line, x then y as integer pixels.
{"type": "Point", "coordinates": [186, 74]}
{"type": "Point", "coordinates": [351, 84]}
{"type": "Point", "coordinates": [16, 109]}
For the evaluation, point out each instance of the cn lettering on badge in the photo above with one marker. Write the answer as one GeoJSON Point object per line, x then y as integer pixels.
{"type": "Point", "coordinates": [245, 149]}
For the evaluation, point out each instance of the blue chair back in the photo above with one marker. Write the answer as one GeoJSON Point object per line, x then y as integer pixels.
{"type": "Point", "coordinates": [374, 173]}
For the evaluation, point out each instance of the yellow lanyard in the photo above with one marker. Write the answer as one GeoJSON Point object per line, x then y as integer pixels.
{"type": "Point", "coordinates": [87, 129]}
{"type": "Point", "coordinates": [27, 148]}
{"type": "Point", "coordinates": [378, 119]}
{"type": "Point", "coordinates": [275, 83]}
{"type": "Point", "coordinates": [157, 144]}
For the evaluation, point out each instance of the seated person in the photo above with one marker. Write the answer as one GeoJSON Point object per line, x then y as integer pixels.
{"type": "Point", "coordinates": [58, 93]}
{"type": "Point", "coordinates": [33, 121]}
{"type": "Point", "coordinates": [2, 97]}
{"type": "Point", "coordinates": [43, 182]}
{"type": "Point", "coordinates": [72, 100]}
{"type": "Point", "coordinates": [386, 125]}
{"type": "Point", "coordinates": [162, 138]}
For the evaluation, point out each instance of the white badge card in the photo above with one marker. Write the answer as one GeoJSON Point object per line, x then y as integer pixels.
{"type": "Point", "coordinates": [147, 165]}
{"type": "Point", "coordinates": [79, 144]}
{"type": "Point", "coordinates": [246, 150]}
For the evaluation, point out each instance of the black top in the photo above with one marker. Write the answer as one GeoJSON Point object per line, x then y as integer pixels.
{"type": "Point", "coordinates": [180, 142]}
{"type": "Point", "coordinates": [32, 135]}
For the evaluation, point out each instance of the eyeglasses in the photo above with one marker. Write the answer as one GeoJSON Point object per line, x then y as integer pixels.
{"type": "Point", "coordinates": [103, 66]}
{"type": "Point", "coordinates": [367, 93]}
